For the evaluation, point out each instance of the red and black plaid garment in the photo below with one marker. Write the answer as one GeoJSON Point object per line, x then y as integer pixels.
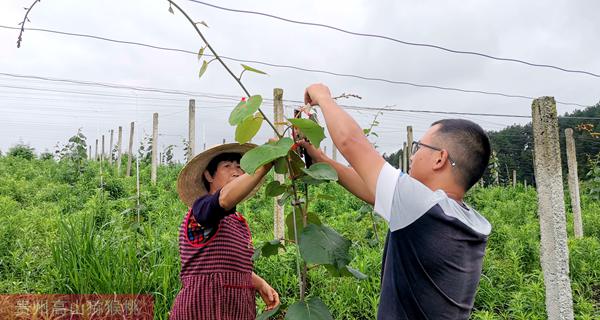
{"type": "Point", "coordinates": [216, 266]}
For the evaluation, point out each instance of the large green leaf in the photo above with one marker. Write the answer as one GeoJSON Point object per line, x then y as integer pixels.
{"type": "Point", "coordinates": [244, 109]}
{"type": "Point", "coordinates": [249, 68]}
{"type": "Point", "coordinates": [274, 188]}
{"type": "Point", "coordinates": [267, 249]}
{"type": "Point", "coordinates": [313, 309]}
{"type": "Point", "coordinates": [321, 171]}
{"type": "Point", "coordinates": [247, 129]}
{"type": "Point", "coordinates": [297, 164]}
{"type": "Point", "coordinates": [310, 218]}
{"type": "Point", "coordinates": [281, 165]}
{"type": "Point", "coordinates": [268, 314]}
{"type": "Point", "coordinates": [345, 271]}
{"type": "Point", "coordinates": [320, 244]}
{"type": "Point", "coordinates": [312, 130]}
{"type": "Point", "coordinates": [264, 154]}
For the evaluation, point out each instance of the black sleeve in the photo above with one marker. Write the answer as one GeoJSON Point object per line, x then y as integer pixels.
{"type": "Point", "coordinates": [207, 210]}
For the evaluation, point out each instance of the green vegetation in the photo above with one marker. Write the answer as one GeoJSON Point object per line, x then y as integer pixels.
{"type": "Point", "coordinates": [60, 232]}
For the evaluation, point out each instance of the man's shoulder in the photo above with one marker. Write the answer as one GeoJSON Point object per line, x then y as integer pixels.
{"type": "Point", "coordinates": [465, 215]}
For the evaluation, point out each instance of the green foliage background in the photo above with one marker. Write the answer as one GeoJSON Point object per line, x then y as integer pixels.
{"type": "Point", "coordinates": [60, 232]}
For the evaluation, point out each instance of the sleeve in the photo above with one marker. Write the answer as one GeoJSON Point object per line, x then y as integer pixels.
{"type": "Point", "coordinates": [207, 210]}
{"type": "Point", "coordinates": [400, 199]}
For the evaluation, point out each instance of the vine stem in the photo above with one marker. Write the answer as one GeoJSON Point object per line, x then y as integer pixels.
{"type": "Point", "coordinates": [239, 81]}
{"type": "Point", "coordinates": [301, 275]}
{"type": "Point", "coordinates": [23, 23]}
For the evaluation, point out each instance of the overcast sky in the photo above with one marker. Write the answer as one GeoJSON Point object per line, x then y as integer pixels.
{"type": "Point", "coordinates": [41, 113]}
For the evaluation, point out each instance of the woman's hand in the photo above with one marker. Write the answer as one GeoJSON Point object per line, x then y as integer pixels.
{"type": "Point", "coordinates": [267, 293]}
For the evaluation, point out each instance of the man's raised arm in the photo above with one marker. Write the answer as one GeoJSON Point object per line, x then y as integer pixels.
{"type": "Point", "coordinates": [347, 136]}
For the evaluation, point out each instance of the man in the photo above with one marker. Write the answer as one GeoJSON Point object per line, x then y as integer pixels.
{"type": "Point", "coordinates": [434, 249]}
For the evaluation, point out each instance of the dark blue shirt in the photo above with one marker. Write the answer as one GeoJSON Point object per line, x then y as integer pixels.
{"type": "Point", "coordinates": [433, 253]}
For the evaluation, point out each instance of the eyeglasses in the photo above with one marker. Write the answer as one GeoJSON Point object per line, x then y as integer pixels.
{"type": "Point", "coordinates": [417, 144]}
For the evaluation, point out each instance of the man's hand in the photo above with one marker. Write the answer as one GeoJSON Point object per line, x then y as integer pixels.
{"type": "Point", "coordinates": [316, 94]}
{"type": "Point", "coordinates": [268, 294]}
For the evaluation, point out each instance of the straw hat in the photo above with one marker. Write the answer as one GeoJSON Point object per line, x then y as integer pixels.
{"type": "Point", "coordinates": [190, 183]}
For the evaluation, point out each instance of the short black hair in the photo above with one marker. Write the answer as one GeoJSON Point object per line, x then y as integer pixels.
{"type": "Point", "coordinates": [212, 165]}
{"type": "Point", "coordinates": [469, 147]}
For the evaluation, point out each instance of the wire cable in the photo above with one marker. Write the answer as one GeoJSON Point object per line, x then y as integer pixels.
{"type": "Point", "coordinates": [347, 75]}
{"type": "Point", "coordinates": [417, 44]}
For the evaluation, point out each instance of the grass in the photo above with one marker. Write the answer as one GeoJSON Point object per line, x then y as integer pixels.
{"type": "Point", "coordinates": [61, 233]}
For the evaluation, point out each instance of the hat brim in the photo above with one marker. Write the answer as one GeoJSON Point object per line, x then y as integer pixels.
{"type": "Point", "coordinates": [190, 185]}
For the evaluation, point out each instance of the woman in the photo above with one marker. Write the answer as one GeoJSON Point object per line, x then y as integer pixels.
{"type": "Point", "coordinates": [215, 243]}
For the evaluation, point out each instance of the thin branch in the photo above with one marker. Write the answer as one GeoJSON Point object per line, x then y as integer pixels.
{"type": "Point", "coordinates": [25, 19]}
{"type": "Point", "coordinates": [222, 63]}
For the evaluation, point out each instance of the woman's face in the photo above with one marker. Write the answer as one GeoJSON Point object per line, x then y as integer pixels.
{"type": "Point", "coordinates": [225, 173]}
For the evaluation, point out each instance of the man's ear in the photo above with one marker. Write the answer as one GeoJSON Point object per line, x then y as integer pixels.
{"type": "Point", "coordinates": [207, 176]}
{"type": "Point", "coordinates": [440, 160]}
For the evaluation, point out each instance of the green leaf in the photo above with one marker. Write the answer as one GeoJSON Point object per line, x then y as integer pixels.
{"type": "Point", "coordinates": [281, 201]}
{"type": "Point", "coordinates": [366, 131]}
{"type": "Point", "coordinates": [313, 309]}
{"type": "Point", "coordinates": [274, 188]}
{"type": "Point", "coordinates": [326, 197]}
{"type": "Point", "coordinates": [201, 53]}
{"type": "Point", "coordinates": [245, 109]}
{"type": "Point", "coordinates": [267, 314]}
{"type": "Point", "coordinates": [321, 171]}
{"type": "Point", "coordinates": [345, 271]}
{"type": "Point", "coordinates": [264, 154]}
{"type": "Point", "coordinates": [320, 244]}
{"type": "Point", "coordinates": [248, 68]}
{"type": "Point", "coordinates": [365, 208]}
{"type": "Point", "coordinates": [267, 249]}
{"type": "Point", "coordinates": [203, 68]}
{"type": "Point", "coordinates": [281, 165]}
{"type": "Point", "coordinates": [247, 129]}
{"type": "Point", "coordinates": [311, 217]}
{"type": "Point", "coordinates": [271, 248]}
{"type": "Point", "coordinates": [312, 130]}
{"type": "Point", "coordinates": [297, 164]}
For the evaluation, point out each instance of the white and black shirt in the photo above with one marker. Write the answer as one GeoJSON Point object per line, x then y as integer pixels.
{"type": "Point", "coordinates": [433, 253]}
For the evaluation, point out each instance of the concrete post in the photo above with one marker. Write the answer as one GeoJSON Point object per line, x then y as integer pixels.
{"type": "Point", "coordinates": [551, 210]}
{"type": "Point", "coordinates": [278, 210]}
{"type": "Point", "coordinates": [128, 173]}
{"type": "Point", "coordinates": [405, 158]}
{"type": "Point", "coordinates": [224, 141]}
{"type": "Point", "coordinates": [192, 130]}
{"type": "Point", "coordinates": [89, 152]}
{"type": "Point", "coordinates": [102, 155]}
{"type": "Point", "coordinates": [514, 178]}
{"type": "Point", "coordinates": [154, 147]}
{"type": "Point", "coordinates": [96, 151]}
{"type": "Point", "coordinates": [119, 143]}
{"type": "Point", "coordinates": [574, 183]}
{"type": "Point", "coordinates": [409, 141]}
{"type": "Point", "coordinates": [110, 148]}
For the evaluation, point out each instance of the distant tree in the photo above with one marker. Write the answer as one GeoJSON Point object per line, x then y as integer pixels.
{"type": "Point", "coordinates": [21, 150]}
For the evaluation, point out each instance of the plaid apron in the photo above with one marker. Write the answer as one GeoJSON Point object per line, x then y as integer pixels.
{"type": "Point", "coordinates": [216, 271]}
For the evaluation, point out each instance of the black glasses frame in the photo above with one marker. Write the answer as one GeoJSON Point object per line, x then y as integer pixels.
{"type": "Point", "coordinates": [417, 144]}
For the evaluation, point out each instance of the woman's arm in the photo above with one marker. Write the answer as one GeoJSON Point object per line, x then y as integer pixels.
{"type": "Point", "coordinates": [235, 191]}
